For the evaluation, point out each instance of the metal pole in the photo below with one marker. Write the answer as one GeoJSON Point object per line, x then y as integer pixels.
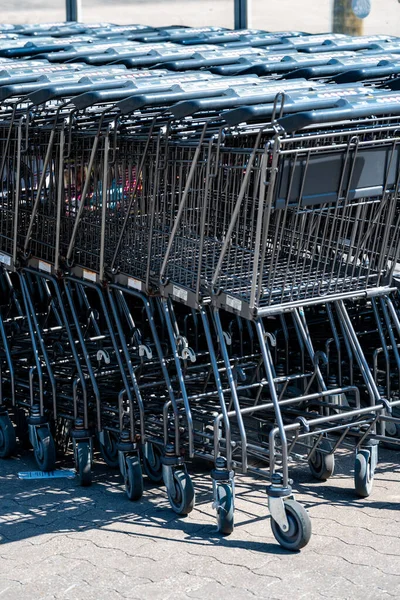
{"type": "Point", "coordinates": [73, 9]}
{"type": "Point", "coordinates": [242, 14]}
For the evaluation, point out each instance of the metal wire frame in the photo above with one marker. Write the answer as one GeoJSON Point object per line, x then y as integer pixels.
{"type": "Point", "coordinates": [276, 232]}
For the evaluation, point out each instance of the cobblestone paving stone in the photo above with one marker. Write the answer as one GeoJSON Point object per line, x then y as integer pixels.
{"type": "Point", "coordinates": [60, 541]}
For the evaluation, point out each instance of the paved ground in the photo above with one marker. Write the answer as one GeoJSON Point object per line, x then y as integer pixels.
{"type": "Point", "coordinates": [305, 15]}
{"type": "Point", "coordinates": [65, 542]}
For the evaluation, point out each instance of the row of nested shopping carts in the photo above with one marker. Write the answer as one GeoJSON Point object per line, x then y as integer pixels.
{"type": "Point", "coordinates": [199, 240]}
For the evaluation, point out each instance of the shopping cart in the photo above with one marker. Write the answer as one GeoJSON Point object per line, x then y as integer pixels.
{"type": "Point", "coordinates": [293, 220]}
{"type": "Point", "coordinates": [199, 264]}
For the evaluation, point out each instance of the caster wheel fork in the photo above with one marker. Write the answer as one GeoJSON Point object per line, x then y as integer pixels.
{"type": "Point", "coordinates": [130, 467]}
{"type": "Point", "coordinates": [133, 477]}
{"type": "Point", "coordinates": [8, 440]}
{"type": "Point", "coordinates": [290, 522]}
{"type": "Point", "coordinates": [297, 533]}
{"type": "Point", "coordinates": [181, 493]}
{"type": "Point", "coordinates": [83, 452]}
{"type": "Point", "coordinates": [224, 496]}
{"type": "Point", "coordinates": [84, 462]}
{"type": "Point", "coordinates": [152, 462]}
{"type": "Point", "coordinates": [364, 470]}
{"type": "Point", "coordinates": [322, 461]}
{"type": "Point", "coordinates": [45, 451]}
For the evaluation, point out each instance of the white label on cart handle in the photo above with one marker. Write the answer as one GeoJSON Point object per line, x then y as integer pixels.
{"type": "Point", "coordinates": [89, 275]}
{"type": "Point", "coordinates": [234, 303]}
{"type": "Point", "coordinates": [136, 284]}
{"type": "Point", "coordinates": [179, 293]}
{"type": "Point", "coordinates": [44, 266]}
{"type": "Point", "coordinates": [5, 260]}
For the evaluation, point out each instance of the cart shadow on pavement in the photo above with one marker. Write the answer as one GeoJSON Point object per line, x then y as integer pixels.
{"type": "Point", "coordinates": [32, 508]}
{"type": "Point", "coordinates": [339, 490]}
{"type": "Point", "coordinates": [42, 507]}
